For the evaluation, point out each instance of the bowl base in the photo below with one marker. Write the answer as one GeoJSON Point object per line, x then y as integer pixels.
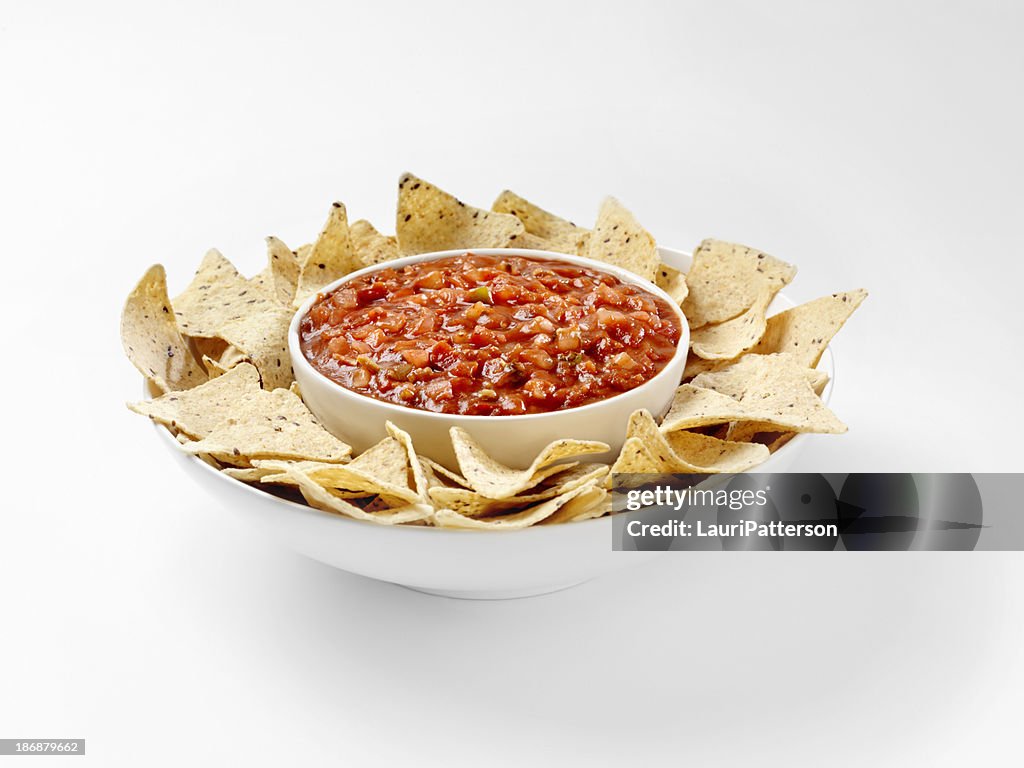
{"type": "Point", "coordinates": [494, 594]}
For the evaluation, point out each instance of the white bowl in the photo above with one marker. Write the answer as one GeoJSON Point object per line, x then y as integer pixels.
{"type": "Point", "coordinates": [513, 440]}
{"type": "Point", "coordinates": [454, 563]}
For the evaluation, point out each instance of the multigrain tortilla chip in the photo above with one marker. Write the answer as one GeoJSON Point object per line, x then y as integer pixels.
{"type": "Point", "coordinates": [430, 219]}
{"type": "Point", "coordinates": [651, 451]}
{"type": "Point", "coordinates": [270, 425]}
{"type": "Point", "coordinates": [749, 376]}
{"type": "Point", "coordinates": [262, 337]}
{"type": "Point", "coordinates": [223, 308]}
{"type": "Point", "coordinates": [618, 239]}
{"type": "Point", "coordinates": [281, 472]}
{"type": "Point", "coordinates": [592, 502]}
{"type": "Point", "coordinates": [281, 275]}
{"type": "Point", "coordinates": [727, 278]}
{"type": "Point", "coordinates": [433, 479]}
{"type": "Point", "coordinates": [416, 474]}
{"type": "Point", "coordinates": [672, 282]}
{"type": "Point", "coordinates": [768, 434]}
{"type": "Point", "coordinates": [370, 246]}
{"type": "Point", "coordinates": [531, 516]}
{"type": "Point", "coordinates": [225, 361]}
{"type": "Point", "coordinates": [442, 472]}
{"type": "Point", "coordinates": [152, 339]}
{"type": "Point", "coordinates": [198, 411]}
{"type": "Point", "coordinates": [321, 498]}
{"type": "Point", "coordinates": [534, 243]}
{"type": "Point", "coordinates": [218, 356]}
{"type": "Point", "coordinates": [217, 295]}
{"type": "Point", "coordinates": [767, 388]}
{"type": "Point", "coordinates": [696, 366]}
{"type": "Point", "coordinates": [331, 256]}
{"type": "Point", "coordinates": [806, 330]}
{"type": "Point", "coordinates": [245, 474]}
{"type": "Point", "coordinates": [553, 233]}
{"type": "Point", "coordinates": [729, 339]}
{"type": "Point", "coordinates": [494, 480]}
{"type": "Point", "coordinates": [694, 407]}
{"type": "Point", "coordinates": [472, 504]}
{"type": "Point", "coordinates": [775, 440]}
{"type": "Point", "coordinates": [382, 470]}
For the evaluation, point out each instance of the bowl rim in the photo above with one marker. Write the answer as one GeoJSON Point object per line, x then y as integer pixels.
{"type": "Point", "coordinates": [681, 348]}
{"type": "Point", "coordinates": [827, 363]}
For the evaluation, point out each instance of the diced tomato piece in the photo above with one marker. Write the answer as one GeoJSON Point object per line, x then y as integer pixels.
{"type": "Point", "coordinates": [538, 357]}
{"type": "Point", "coordinates": [416, 357]}
{"type": "Point", "coordinates": [372, 292]}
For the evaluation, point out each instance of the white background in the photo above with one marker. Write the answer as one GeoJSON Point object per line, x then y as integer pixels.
{"type": "Point", "coordinates": [873, 144]}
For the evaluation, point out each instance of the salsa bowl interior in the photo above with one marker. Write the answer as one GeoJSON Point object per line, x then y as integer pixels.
{"type": "Point", "coordinates": [511, 439]}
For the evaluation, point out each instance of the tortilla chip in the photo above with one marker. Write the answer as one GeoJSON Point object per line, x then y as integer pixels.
{"type": "Point", "coordinates": [270, 425]}
{"type": "Point", "coordinates": [592, 502]}
{"type": "Point", "coordinates": [768, 388]}
{"type": "Point", "coordinates": [416, 473]}
{"type": "Point", "coordinates": [430, 219]}
{"type": "Point", "coordinates": [280, 472]}
{"type": "Point", "coordinates": [330, 257]}
{"type": "Point", "coordinates": [217, 295]}
{"type": "Point", "coordinates": [152, 339]}
{"type": "Point", "coordinates": [805, 331]}
{"type": "Point", "coordinates": [768, 434]}
{"type": "Point", "coordinates": [441, 471]}
{"type": "Point", "coordinates": [275, 472]}
{"type": "Point", "coordinates": [322, 499]}
{"type": "Point", "coordinates": [775, 440]}
{"type": "Point", "coordinates": [244, 474]}
{"type": "Point", "coordinates": [224, 308]}
{"type": "Point", "coordinates": [382, 470]}
{"type": "Point", "coordinates": [697, 365]}
{"type": "Point", "coordinates": [217, 355]}
{"type": "Point", "coordinates": [619, 239]}
{"type": "Point", "coordinates": [672, 282]}
{"type": "Point", "coordinates": [682, 452]}
{"type": "Point", "coordinates": [552, 233]}
{"type": "Point", "coordinates": [432, 478]}
{"type": "Point", "coordinates": [727, 278]}
{"type": "Point", "coordinates": [229, 358]}
{"type": "Point", "coordinates": [728, 340]}
{"type": "Point", "coordinates": [472, 504]}
{"type": "Point", "coordinates": [281, 275]}
{"type": "Point", "coordinates": [197, 411]}
{"type": "Point", "coordinates": [531, 516]}
{"type": "Point", "coordinates": [370, 246]}
{"type": "Point", "coordinates": [534, 243]}
{"type": "Point", "coordinates": [694, 407]}
{"type": "Point", "coordinates": [494, 480]}
{"type": "Point", "coordinates": [262, 337]}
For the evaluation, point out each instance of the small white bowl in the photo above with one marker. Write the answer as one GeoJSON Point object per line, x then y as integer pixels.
{"type": "Point", "coordinates": [513, 440]}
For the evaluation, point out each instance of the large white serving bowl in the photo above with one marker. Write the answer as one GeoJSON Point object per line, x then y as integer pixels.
{"type": "Point", "coordinates": [454, 563]}
{"type": "Point", "coordinates": [513, 440]}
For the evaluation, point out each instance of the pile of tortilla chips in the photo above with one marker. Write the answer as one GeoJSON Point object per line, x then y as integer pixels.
{"type": "Point", "coordinates": [216, 361]}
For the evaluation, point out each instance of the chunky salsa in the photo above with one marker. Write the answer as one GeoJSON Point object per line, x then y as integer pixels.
{"type": "Point", "coordinates": [488, 335]}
